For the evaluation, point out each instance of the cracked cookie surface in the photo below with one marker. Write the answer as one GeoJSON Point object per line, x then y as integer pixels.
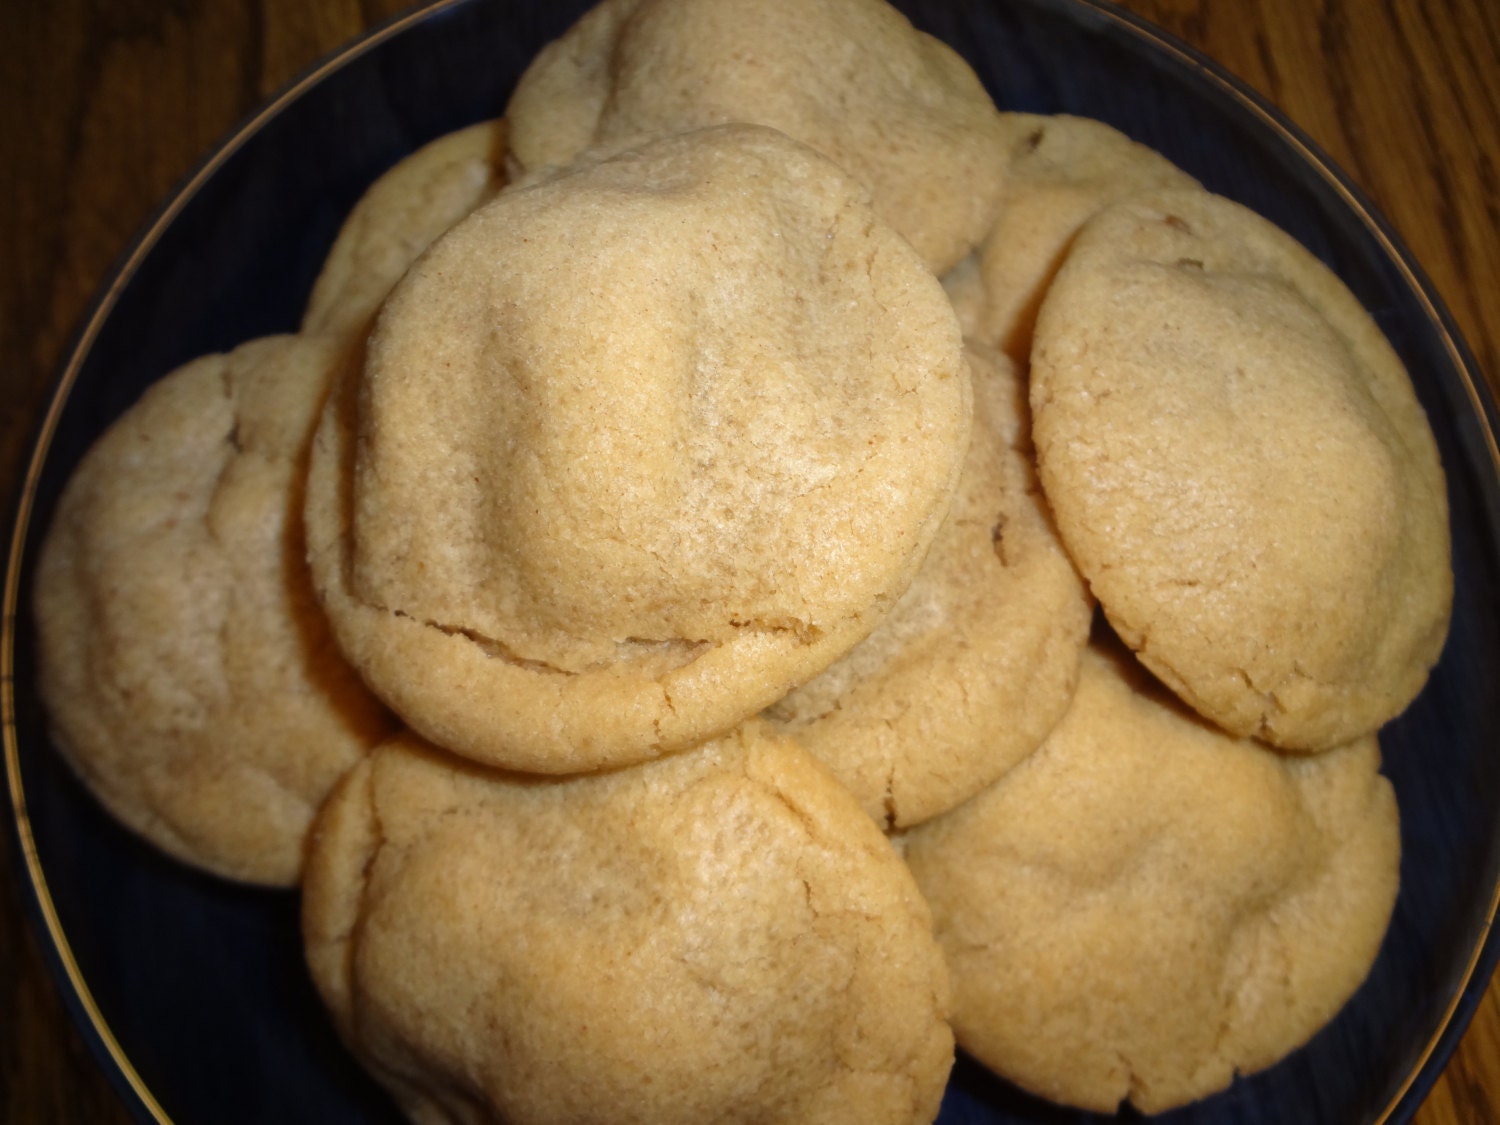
{"type": "Point", "coordinates": [1241, 469]}
{"type": "Point", "coordinates": [190, 679]}
{"type": "Point", "coordinates": [636, 449]}
{"type": "Point", "coordinates": [718, 936]}
{"type": "Point", "coordinates": [1146, 906]}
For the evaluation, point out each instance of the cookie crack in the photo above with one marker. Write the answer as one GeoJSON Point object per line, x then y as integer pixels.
{"type": "Point", "coordinates": [805, 632]}
{"type": "Point", "coordinates": [1273, 707]}
{"type": "Point", "coordinates": [352, 936]}
{"type": "Point", "coordinates": [888, 802]}
{"type": "Point", "coordinates": [492, 647]}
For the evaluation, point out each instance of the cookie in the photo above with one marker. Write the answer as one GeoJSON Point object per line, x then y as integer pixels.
{"type": "Point", "coordinates": [189, 677]}
{"type": "Point", "coordinates": [1241, 470]}
{"type": "Point", "coordinates": [1059, 171]}
{"type": "Point", "coordinates": [718, 936]}
{"type": "Point", "coordinates": [898, 110]}
{"type": "Point", "coordinates": [397, 218]}
{"type": "Point", "coordinates": [635, 451]}
{"type": "Point", "coordinates": [977, 661]}
{"type": "Point", "coordinates": [1146, 906]}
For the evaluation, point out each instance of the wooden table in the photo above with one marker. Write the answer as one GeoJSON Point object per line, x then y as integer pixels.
{"type": "Point", "coordinates": [103, 107]}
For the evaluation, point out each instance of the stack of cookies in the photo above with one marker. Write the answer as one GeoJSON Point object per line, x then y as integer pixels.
{"type": "Point", "coordinates": [758, 566]}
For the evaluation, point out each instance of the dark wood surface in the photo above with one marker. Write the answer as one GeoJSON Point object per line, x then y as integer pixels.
{"type": "Point", "coordinates": [105, 105]}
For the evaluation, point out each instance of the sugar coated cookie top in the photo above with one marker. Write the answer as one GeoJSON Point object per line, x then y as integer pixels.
{"type": "Point", "coordinates": [190, 678]}
{"type": "Point", "coordinates": [1147, 906]}
{"type": "Point", "coordinates": [898, 110]}
{"type": "Point", "coordinates": [1240, 468]}
{"type": "Point", "coordinates": [718, 936]}
{"type": "Point", "coordinates": [664, 435]}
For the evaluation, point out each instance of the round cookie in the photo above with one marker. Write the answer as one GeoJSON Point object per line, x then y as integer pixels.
{"type": "Point", "coordinates": [1241, 470]}
{"type": "Point", "coordinates": [1059, 171]}
{"type": "Point", "coordinates": [898, 110]}
{"type": "Point", "coordinates": [189, 677]}
{"type": "Point", "coordinates": [397, 218]}
{"type": "Point", "coordinates": [637, 449]}
{"type": "Point", "coordinates": [718, 936]}
{"type": "Point", "coordinates": [977, 661]}
{"type": "Point", "coordinates": [1145, 906]}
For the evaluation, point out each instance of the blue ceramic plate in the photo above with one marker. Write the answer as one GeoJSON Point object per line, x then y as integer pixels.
{"type": "Point", "coordinates": [192, 991]}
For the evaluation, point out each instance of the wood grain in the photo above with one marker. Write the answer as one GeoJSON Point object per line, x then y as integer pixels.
{"type": "Point", "coordinates": [106, 104]}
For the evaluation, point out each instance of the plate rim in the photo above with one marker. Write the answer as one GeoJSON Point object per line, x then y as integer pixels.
{"type": "Point", "coordinates": [67, 975]}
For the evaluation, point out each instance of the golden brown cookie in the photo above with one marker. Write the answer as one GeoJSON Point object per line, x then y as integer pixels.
{"type": "Point", "coordinates": [898, 110]}
{"type": "Point", "coordinates": [718, 936]}
{"type": "Point", "coordinates": [1059, 171]}
{"type": "Point", "coordinates": [977, 661]}
{"type": "Point", "coordinates": [636, 450]}
{"type": "Point", "coordinates": [1240, 468]}
{"type": "Point", "coordinates": [397, 218]}
{"type": "Point", "coordinates": [188, 675]}
{"type": "Point", "coordinates": [1145, 906]}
